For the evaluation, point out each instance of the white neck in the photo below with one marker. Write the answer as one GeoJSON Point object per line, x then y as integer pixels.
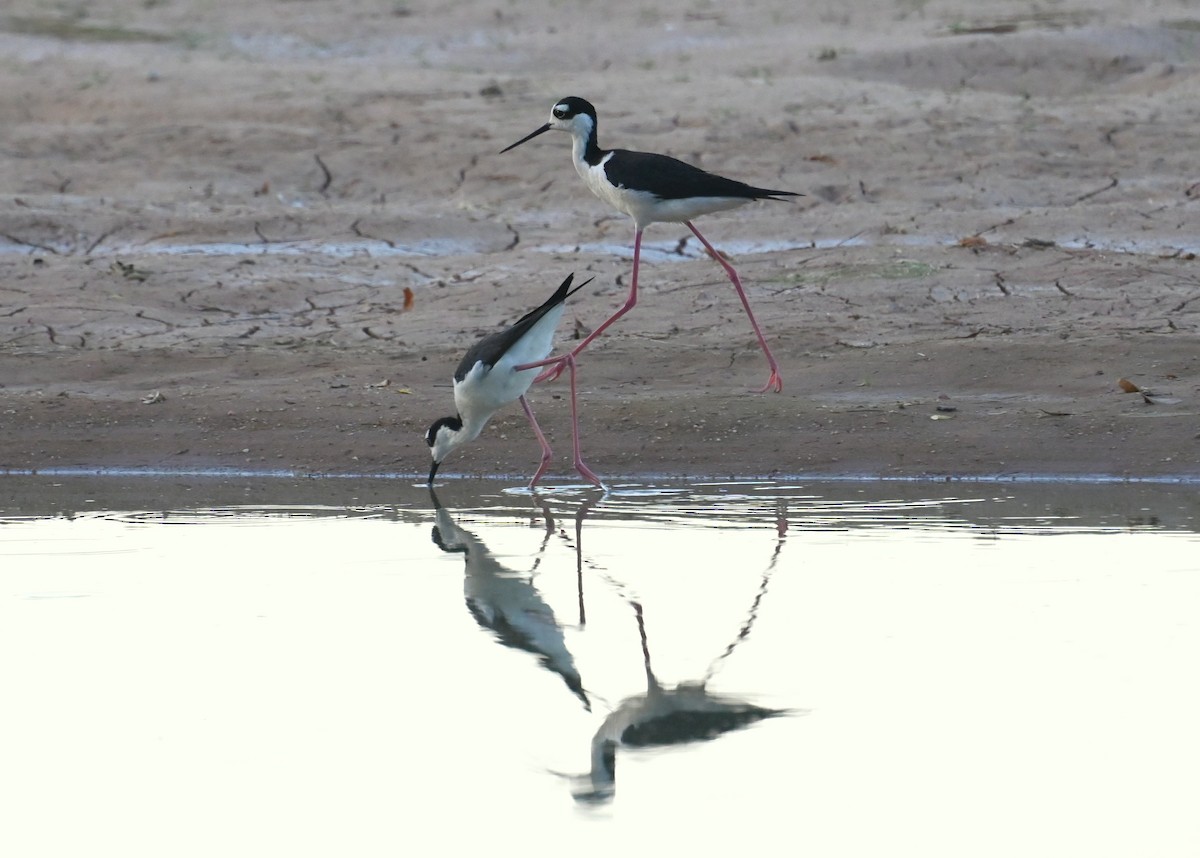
{"type": "Point", "coordinates": [450, 440]}
{"type": "Point", "coordinates": [578, 147]}
{"type": "Point", "coordinates": [581, 132]}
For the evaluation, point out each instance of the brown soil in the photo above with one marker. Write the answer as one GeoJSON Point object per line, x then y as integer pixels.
{"type": "Point", "coordinates": [261, 236]}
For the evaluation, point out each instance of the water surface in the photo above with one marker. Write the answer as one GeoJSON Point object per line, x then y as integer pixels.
{"type": "Point", "coordinates": [317, 667]}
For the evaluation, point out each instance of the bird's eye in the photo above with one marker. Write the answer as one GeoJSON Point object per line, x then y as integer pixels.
{"type": "Point", "coordinates": [560, 112]}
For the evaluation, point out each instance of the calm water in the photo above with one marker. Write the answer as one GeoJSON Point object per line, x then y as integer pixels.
{"type": "Point", "coordinates": [207, 667]}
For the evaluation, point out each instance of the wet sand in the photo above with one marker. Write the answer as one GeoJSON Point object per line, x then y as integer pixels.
{"type": "Point", "coordinates": [261, 239]}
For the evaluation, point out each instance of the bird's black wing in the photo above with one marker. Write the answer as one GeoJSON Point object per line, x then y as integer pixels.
{"type": "Point", "coordinates": [677, 728]}
{"type": "Point", "coordinates": [492, 347]}
{"type": "Point", "coordinates": [671, 179]}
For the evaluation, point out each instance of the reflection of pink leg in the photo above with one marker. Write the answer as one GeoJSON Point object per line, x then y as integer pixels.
{"type": "Point", "coordinates": [583, 469]}
{"type": "Point", "coordinates": [547, 453]}
{"type": "Point", "coordinates": [557, 365]}
{"type": "Point", "coordinates": [774, 382]}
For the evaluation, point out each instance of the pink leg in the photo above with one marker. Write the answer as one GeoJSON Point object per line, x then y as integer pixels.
{"type": "Point", "coordinates": [557, 365]}
{"type": "Point", "coordinates": [567, 360]}
{"type": "Point", "coordinates": [583, 469]}
{"type": "Point", "coordinates": [547, 453]}
{"type": "Point", "coordinates": [774, 382]}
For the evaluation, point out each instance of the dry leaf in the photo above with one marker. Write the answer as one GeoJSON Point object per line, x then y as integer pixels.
{"type": "Point", "coordinates": [1127, 385]}
{"type": "Point", "coordinates": [409, 298]}
{"type": "Point", "coordinates": [973, 241]}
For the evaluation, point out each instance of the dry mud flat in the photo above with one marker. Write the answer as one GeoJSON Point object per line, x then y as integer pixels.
{"type": "Point", "coordinates": [259, 238]}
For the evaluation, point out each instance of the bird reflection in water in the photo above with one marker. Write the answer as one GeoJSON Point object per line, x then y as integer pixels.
{"type": "Point", "coordinates": [507, 603]}
{"type": "Point", "coordinates": [665, 716]}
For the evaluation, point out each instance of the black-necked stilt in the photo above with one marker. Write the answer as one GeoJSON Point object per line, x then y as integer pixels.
{"type": "Point", "coordinates": [663, 716]}
{"type": "Point", "coordinates": [650, 187]}
{"type": "Point", "coordinates": [498, 370]}
{"type": "Point", "coordinates": [687, 712]}
{"type": "Point", "coordinates": [506, 601]}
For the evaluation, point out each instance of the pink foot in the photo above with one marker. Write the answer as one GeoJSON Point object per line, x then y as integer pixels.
{"type": "Point", "coordinates": [775, 382]}
{"type": "Point", "coordinates": [554, 368]}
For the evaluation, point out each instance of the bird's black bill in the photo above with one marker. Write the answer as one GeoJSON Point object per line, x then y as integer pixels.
{"type": "Point", "coordinates": [541, 130]}
{"type": "Point", "coordinates": [433, 472]}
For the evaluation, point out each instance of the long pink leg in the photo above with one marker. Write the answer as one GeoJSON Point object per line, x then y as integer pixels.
{"type": "Point", "coordinates": [583, 469]}
{"type": "Point", "coordinates": [547, 453]}
{"type": "Point", "coordinates": [775, 382]}
{"type": "Point", "coordinates": [567, 360]}
{"type": "Point", "coordinates": [557, 365]}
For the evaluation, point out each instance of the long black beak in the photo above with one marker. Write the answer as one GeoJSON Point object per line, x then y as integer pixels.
{"type": "Point", "coordinates": [433, 471]}
{"type": "Point", "coordinates": [541, 130]}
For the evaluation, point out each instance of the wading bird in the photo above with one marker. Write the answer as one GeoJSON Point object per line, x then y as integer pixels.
{"type": "Point", "coordinates": [500, 369]}
{"type": "Point", "coordinates": [650, 187]}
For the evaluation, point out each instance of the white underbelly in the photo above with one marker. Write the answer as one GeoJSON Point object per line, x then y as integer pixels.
{"type": "Point", "coordinates": [483, 390]}
{"type": "Point", "coordinates": [645, 208]}
{"type": "Point", "coordinates": [504, 385]}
